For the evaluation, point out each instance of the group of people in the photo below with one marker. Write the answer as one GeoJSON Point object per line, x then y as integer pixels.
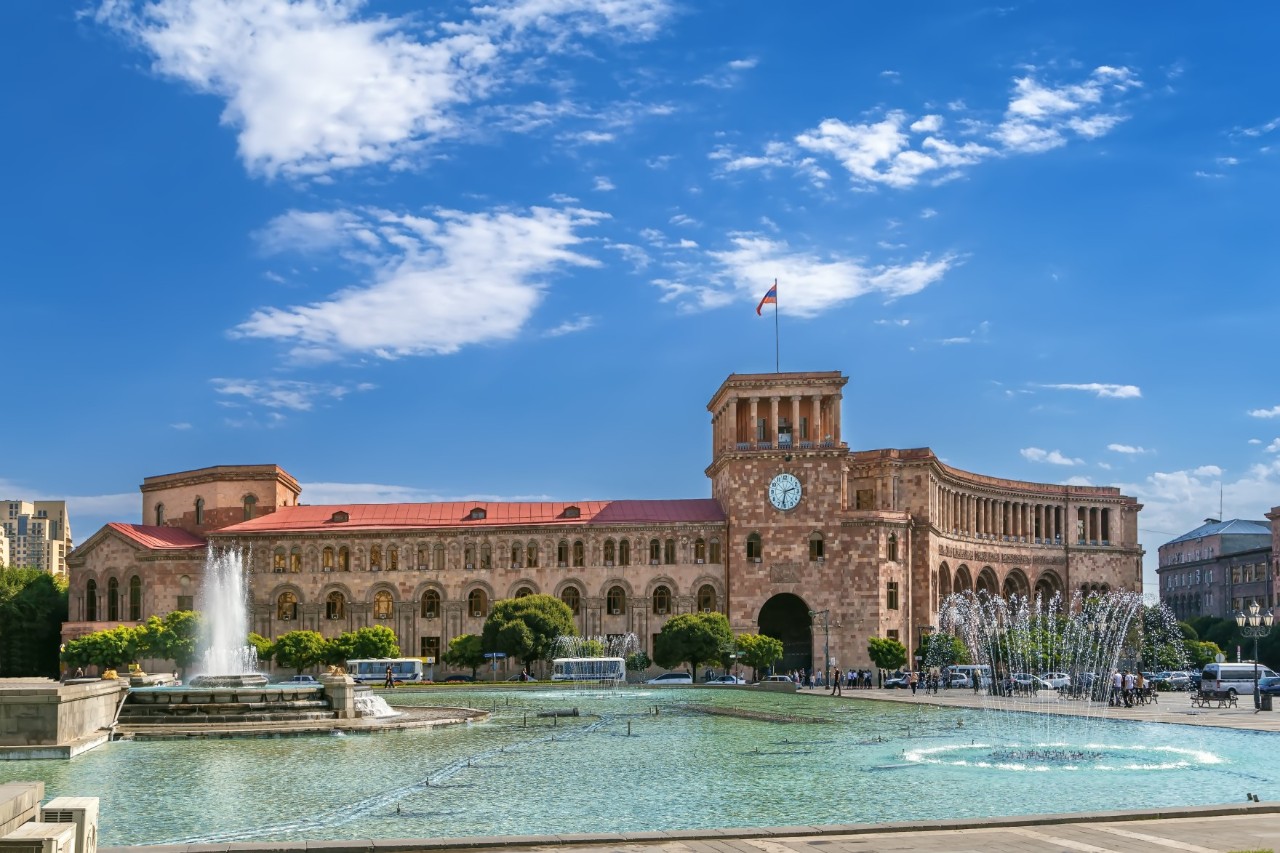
{"type": "Point", "coordinates": [1128, 689]}
{"type": "Point", "coordinates": [835, 681]}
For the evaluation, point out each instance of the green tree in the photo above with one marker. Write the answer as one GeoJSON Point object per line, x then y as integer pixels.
{"type": "Point", "coordinates": [109, 649]}
{"type": "Point", "coordinates": [942, 649]}
{"type": "Point", "coordinates": [172, 638]}
{"type": "Point", "coordinates": [758, 651]}
{"type": "Point", "coordinates": [33, 606]}
{"type": "Point", "coordinates": [638, 662]}
{"type": "Point", "coordinates": [465, 652]}
{"type": "Point", "coordinates": [376, 642]}
{"type": "Point", "coordinates": [887, 653]}
{"type": "Point", "coordinates": [262, 646]}
{"type": "Point", "coordinates": [1201, 652]}
{"type": "Point", "coordinates": [527, 627]}
{"type": "Point", "coordinates": [692, 638]}
{"type": "Point", "coordinates": [298, 650]}
{"type": "Point", "coordinates": [592, 649]}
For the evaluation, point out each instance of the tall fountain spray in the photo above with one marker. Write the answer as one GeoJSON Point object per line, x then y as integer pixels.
{"type": "Point", "coordinates": [224, 656]}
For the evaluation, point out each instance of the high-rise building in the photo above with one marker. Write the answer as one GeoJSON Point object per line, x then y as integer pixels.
{"type": "Point", "coordinates": [38, 534]}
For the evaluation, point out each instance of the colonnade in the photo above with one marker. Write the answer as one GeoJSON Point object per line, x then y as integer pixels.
{"type": "Point", "coordinates": [965, 514]}
{"type": "Point", "coordinates": [764, 422]}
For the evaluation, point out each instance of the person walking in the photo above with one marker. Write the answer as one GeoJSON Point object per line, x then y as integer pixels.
{"type": "Point", "coordinates": [913, 678]}
{"type": "Point", "coordinates": [835, 681]}
{"type": "Point", "coordinates": [390, 680]}
{"type": "Point", "coordinates": [973, 674]}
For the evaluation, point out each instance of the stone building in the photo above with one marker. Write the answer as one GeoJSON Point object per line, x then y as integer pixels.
{"type": "Point", "coordinates": [1217, 569]}
{"type": "Point", "coordinates": [38, 534]}
{"type": "Point", "coordinates": [802, 539]}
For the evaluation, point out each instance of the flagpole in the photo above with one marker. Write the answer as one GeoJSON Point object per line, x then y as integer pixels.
{"type": "Point", "coordinates": [777, 360]}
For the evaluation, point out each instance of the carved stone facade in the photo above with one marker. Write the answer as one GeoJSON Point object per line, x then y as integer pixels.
{"type": "Point", "coordinates": [803, 540]}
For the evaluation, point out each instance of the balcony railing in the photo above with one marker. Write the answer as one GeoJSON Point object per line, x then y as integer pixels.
{"type": "Point", "coordinates": [785, 445]}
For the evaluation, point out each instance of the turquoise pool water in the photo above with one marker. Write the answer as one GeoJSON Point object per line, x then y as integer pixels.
{"type": "Point", "coordinates": [844, 762]}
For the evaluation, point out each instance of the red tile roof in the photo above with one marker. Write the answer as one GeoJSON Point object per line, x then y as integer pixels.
{"type": "Point", "coordinates": [159, 538]}
{"type": "Point", "coordinates": [458, 514]}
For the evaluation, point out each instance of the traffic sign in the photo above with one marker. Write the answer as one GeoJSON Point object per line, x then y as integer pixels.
{"type": "Point", "coordinates": [493, 655]}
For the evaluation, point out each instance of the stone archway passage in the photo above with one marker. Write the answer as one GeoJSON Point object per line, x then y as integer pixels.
{"type": "Point", "coordinates": [786, 617]}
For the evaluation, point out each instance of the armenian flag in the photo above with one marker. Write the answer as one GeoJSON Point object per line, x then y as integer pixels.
{"type": "Point", "coordinates": [770, 298]}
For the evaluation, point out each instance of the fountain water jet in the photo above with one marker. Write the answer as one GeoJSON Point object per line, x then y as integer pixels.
{"type": "Point", "coordinates": [225, 659]}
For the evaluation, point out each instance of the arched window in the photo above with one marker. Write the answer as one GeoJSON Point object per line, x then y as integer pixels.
{"type": "Point", "coordinates": [437, 558]}
{"type": "Point", "coordinates": [669, 552]}
{"type": "Point", "coordinates": [523, 592]}
{"type": "Point", "coordinates": [579, 554]}
{"type": "Point", "coordinates": [135, 599]}
{"type": "Point", "coordinates": [478, 604]}
{"type": "Point", "coordinates": [250, 506]}
{"type": "Point", "coordinates": [713, 553]}
{"type": "Point", "coordinates": [382, 604]}
{"type": "Point", "coordinates": [469, 556]}
{"type": "Point", "coordinates": [616, 600]}
{"type": "Point", "coordinates": [424, 558]}
{"type": "Point", "coordinates": [159, 515]}
{"type": "Point", "coordinates": [707, 598]}
{"type": "Point", "coordinates": [610, 552]}
{"type": "Point", "coordinates": [326, 560]}
{"type": "Point", "coordinates": [662, 601]}
{"type": "Point", "coordinates": [287, 606]}
{"type": "Point", "coordinates": [893, 547]}
{"type": "Point", "coordinates": [517, 551]}
{"type": "Point", "coordinates": [624, 552]}
{"type": "Point", "coordinates": [531, 558]}
{"type": "Point", "coordinates": [113, 600]}
{"type": "Point", "coordinates": [486, 556]}
{"type": "Point", "coordinates": [393, 559]}
{"type": "Point", "coordinates": [655, 552]}
{"type": "Point", "coordinates": [344, 559]}
{"type": "Point", "coordinates": [295, 560]}
{"type": "Point", "coordinates": [699, 550]}
{"type": "Point", "coordinates": [335, 605]}
{"type": "Point", "coordinates": [753, 548]}
{"type": "Point", "coordinates": [91, 601]}
{"type": "Point", "coordinates": [199, 511]}
{"type": "Point", "coordinates": [277, 561]}
{"type": "Point", "coordinates": [817, 548]}
{"type": "Point", "coordinates": [375, 558]}
{"type": "Point", "coordinates": [571, 597]}
{"type": "Point", "coordinates": [430, 604]}
{"type": "Point", "coordinates": [562, 552]}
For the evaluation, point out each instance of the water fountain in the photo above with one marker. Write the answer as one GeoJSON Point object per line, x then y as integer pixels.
{"type": "Point", "coordinates": [226, 659]}
{"type": "Point", "coordinates": [1085, 639]}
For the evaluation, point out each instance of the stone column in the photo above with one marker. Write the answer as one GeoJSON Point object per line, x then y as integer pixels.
{"type": "Point", "coordinates": [733, 424]}
{"type": "Point", "coordinates": [796, 436]}
{"type": "Point", "coordinates": [817, 418]}
{"type": "Point", "coordinates": [755, 420]}
{"type": "Point", "coordinates": [773, 420]}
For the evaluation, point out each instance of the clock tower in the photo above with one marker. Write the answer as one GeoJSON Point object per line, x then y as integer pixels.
{"type": "Point", "coordinates": [778, 463]}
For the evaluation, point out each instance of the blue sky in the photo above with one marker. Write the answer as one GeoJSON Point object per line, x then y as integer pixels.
{"type": "Point", "coordinates": [416, 251]}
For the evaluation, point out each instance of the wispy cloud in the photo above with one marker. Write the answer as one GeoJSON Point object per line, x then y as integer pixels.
{"type": "Point", "coordinates": [813, 281]}
{"type": "Point", "coordinates": [1101, 389]}
{"type": "Point", "coordinates": [1127, 449]}
{"type": "Point", "coordinates": [1274, 447]}
{"type": "Point", "coordinates": [1052, 457]}
{"type": "Point", "coordinates": [180, 426]}
{"type": "Point", "coordinates": [291, 394]}
{"type": "Point", "coordinates": [603, 184]}
{"type": "Point", "coordinates": [314, 86]}
{"type": "Point", "coordinates": [898, 150]}
{"type": "Point", "coordinates": [578, 324]}
{"type": "Point", "coordinates": [1273, 412]}
{"type": "Point", "coordinates": [434, 284]}
{"type": "Point", "coordinates": [728, 75]}
{"type": "Point", "coordinates": [1260, 129]}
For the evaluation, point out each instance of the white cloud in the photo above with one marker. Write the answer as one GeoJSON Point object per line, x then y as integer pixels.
{"type": "Point", "coordinates": [1127, 448]}
{"type": "Point", "coordinates": [1104, 466]}
{"type": "Point", "coordinates": [1052, 457]}
{"type": "Point", "coordinates": [578, 324]}
{"type": "Point", "coordinates": [728, 76]}
{"type": "Point", "coordinates": [1259, 130]}
{"type": "Point", "coordinates": [1078, 481]}
{"type": "Point", "coordinates": [603, 184]}
{"type": "Point", "coordinates": [1274, 447]}
{"type": "Point", "coordinates": [590, 137]}
{"type": "Point", "coordinates": [1255, 441]}
{"type": "Point", "coordinates": [903, 322]}
{"type": "Point", "coordinates": [1102, 389]}
{"type": "Point", "coordinates": [313, 86]}
{"type": "Point", "coordinates": [959, 340]}
{"type": "Point", "coordinates": [684, 219]}
{"type": "Point", "coordinates": [898, 151]}
{"type": "Point", "coordinates": [809, 283]}
{"type": "Point", "coordinates": [435, 283]}
{"type": "Point", "coordinates": [180, 426]}
{"type": "Point", "coordinates": [1273, 412]}
{"type": "Point", "coordinates": [1207, 471]}
{"type": "Point", "coordinates": [928, 213]}
{"type": "Point", "coordinates": [292, 394]}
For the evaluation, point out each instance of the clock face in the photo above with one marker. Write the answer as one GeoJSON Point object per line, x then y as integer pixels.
{"type": "Point", "coordinates": [784, 491]}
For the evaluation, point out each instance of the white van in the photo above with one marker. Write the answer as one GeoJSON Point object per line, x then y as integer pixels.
{"type": "Point", "coordinates": [1231, 678]}
{"type": "Point", "coordinates": [966, 670]}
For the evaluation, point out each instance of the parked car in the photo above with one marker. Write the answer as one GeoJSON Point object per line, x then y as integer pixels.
{"type": "Point", "coordinates": [303, 679]}
{"type": "Point", "coordinates": [457, 678]}
{"type": "Point", "coordinates": [728, 679]}
{"type": "Point", "coordinates": [958, 680]}
{"type": "Point", "coordinates": [1056, 680]}
{"type": "Point", "coordinates": [1027, 682]}
{"type": "Point", "coordinates": [1269, 686]}
{"type": "Point", "coordinates": [775, 678]}
{"type": "Point", "coordinates": [671, 678]}
{"type": "Point", "coordinates": [1176, 680]}
{"type": "Point", "coordinates": [898, 679]}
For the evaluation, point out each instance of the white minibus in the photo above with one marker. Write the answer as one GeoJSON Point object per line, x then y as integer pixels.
{"type": "Point", "coordinates": [595, 670]}
{"type": "Point", "coordinates": [1231, 678]}
{"type": "Point", "coordinates": [374, 670]}
{"type": "Point", "coordinates": [967, 670]}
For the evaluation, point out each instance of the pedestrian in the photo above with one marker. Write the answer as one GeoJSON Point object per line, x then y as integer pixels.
{"type": "Point", "coordinates": [390, 680]}
{"type": "Point", "coordinates": [835, 682]}
{"type": "Point", "coordinates": [973, 674]}
{"type": "Point", "coordinates": [913, 679]}
{"type": "Point", "coordinates": [1117, 689]}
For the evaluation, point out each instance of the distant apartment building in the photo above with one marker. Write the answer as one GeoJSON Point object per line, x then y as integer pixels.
{"type": "Point", "coordinates": [4, 548]}
{"type": "Point", "coordinates": [1218, 569]}
{"type": "Point", "coordinates": [38, 534]}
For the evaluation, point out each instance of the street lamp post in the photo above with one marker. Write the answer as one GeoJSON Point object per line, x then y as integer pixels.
{"type": "Point", "coordinates": [1254, 624]}
{"type": "Point", "coordinates": [826, 636]}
